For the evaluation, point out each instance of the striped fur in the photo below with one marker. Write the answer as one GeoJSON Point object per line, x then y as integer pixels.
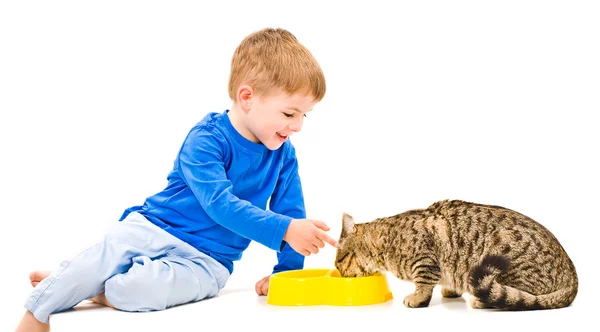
{"type": "Point", "coordinates": [501, 257]}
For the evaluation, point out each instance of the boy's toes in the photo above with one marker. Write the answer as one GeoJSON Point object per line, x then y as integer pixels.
{"type": "Point", "coordinates": [37, 276]}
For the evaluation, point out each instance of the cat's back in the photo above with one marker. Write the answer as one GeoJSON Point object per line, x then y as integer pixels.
{"type": "Point", "coordinates": [492, 225]}
{"type": "Point", "coordinates": [459, 211]}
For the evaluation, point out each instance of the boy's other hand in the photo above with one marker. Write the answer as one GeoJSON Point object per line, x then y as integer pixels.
{"type": "Point", "coordinates": [306, 236]}
{"type": "Point", "coordinates": [262, 286]}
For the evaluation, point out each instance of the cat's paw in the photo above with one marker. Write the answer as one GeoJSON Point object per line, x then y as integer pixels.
{"type": "Point", "coordinates": [417, 301]}
{"type": "Point", "coordinates": [477, 304]}
{"type": "Point", "coordinates": [446, 292]}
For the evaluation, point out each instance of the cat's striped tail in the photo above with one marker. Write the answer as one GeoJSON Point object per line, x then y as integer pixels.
{"type": "Point", "coordinates": [492, 294]}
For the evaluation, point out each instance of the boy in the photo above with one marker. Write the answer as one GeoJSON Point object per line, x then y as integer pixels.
{"type": "Point", "coordinates": [182, 241]}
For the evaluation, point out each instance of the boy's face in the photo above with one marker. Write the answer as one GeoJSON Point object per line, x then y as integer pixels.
{"type": "Point", "coordinates": [272, 120]}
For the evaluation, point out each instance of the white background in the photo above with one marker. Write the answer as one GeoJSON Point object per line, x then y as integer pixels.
{"type": "Point", "coordinates": [474, 100]}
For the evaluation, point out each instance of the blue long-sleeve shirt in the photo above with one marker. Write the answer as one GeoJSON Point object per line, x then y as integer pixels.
{"type": "Point", "coordinates": [217, 194]}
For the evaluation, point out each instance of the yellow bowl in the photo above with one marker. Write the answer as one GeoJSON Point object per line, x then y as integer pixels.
{"type": "Point", "coordinates": [326, 287]}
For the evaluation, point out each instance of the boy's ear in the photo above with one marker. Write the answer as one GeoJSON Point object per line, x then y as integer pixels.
{"type": "Point", "coordinates": [244, 97]}
{"type": "Point", "coordinates": [347, 224]}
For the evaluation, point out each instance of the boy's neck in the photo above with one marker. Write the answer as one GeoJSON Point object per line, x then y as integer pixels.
{"type": "Point", "coordinates": [237, 117]}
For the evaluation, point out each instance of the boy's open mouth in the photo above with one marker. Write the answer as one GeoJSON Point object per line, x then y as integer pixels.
{"type": "Point", "coordinates": [282, 137]}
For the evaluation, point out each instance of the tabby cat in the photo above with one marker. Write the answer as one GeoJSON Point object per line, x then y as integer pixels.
{"type": "Point", "coordinates": [502, 258]}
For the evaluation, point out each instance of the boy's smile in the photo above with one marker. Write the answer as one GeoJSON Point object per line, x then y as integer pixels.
{"type": "Point", "coordinates": [270, 120]}
{"type": "Point", "coordinates": [282, 138]}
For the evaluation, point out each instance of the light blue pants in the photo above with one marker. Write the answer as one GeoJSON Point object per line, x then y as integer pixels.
{"type": "Point", "coordinates": [139, 266]}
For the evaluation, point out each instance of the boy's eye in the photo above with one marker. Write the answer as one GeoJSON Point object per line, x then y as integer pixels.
{"type": "Point", "coordinates": [289, 115]}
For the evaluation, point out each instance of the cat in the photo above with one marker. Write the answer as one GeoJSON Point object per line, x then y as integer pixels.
{"type": "Point", "coordinates": [504, 259]}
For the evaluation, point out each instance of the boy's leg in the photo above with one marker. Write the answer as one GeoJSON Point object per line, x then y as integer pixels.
{"type": "Point", "coordinates": [36, 277]}
{"type": "Point", "coordinates": [162, 283]}
{"type": "Point", "coordinates": [83, 276]}
{"type": "Point", "coordinates": [181, 276]}
{"type": "Point", "coordinates": [75, 280]}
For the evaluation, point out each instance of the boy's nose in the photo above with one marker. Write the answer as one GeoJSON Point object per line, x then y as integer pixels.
{"type": "Point", "coordinates": [296, 126]}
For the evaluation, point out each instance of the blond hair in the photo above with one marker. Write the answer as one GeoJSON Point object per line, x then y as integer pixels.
{"type": "Point", "coordinates": [271, 59]}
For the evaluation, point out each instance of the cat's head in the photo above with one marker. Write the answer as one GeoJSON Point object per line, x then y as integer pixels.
{"type": "Point", "coordinates": [352, 258]}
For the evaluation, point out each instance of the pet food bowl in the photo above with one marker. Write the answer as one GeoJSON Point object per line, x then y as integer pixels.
{"type": "Point", "coordinates": [326, 287]}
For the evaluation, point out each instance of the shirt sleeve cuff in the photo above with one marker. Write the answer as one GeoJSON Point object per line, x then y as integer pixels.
{"type": "Point", "coordinates": [277, 242]}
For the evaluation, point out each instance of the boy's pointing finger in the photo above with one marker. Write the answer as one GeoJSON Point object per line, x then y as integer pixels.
{"type": "Point", "coordinates": [328, 239]}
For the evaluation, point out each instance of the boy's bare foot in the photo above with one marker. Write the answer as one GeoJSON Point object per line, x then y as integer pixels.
{"type": "Point", "coordinates": [101, 299]}
{"type": "Point", "coordinates": [37, 276]}
{"type": "Point", "coordinates": [30, 324]}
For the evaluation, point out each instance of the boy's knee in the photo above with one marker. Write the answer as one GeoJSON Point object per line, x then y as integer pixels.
{"type": "Point", "coordinates": [135, 293]}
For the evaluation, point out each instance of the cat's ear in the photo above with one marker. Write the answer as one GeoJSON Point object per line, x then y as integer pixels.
{"type": "Point", "coordinates": [347, 224]}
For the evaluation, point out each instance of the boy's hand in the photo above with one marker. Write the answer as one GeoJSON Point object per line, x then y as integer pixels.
{"type": "Point", "coordinates": [262, 286]}
{"type": "Point", "coordinates": [306, 236]}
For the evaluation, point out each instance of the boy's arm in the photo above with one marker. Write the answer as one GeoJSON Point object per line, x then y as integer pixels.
{"type": "Point", "coordinates": [213, 190]}
{"type": "Point", "coordinates": [288, 200]}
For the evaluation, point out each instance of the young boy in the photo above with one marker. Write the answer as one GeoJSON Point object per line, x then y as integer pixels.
{"type": "Point", "coordinates": [182, 241]}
